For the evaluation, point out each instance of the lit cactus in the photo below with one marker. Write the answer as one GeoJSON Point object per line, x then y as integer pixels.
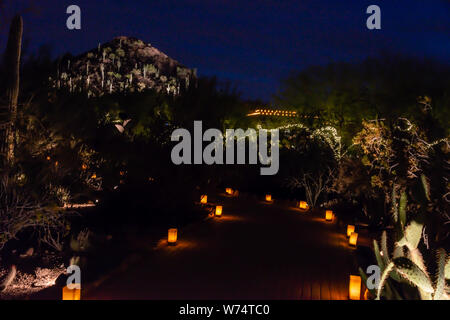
{"type": "Point", "coordinates": [102, 70]}
{"type": "Point", "coordinates": [413, 273]}
{"type": "Point", "coordinates": [447, 269]}
{"type": "Point", "coordinates": [407, 264]}
{"type": "Point", "coordinates": [440, 282]}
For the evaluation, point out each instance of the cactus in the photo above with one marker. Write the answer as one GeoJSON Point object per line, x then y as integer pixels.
{"type": "Point", "coordinates": [379, 258]}
{"type": "Point", "coordinates": [384, 278]}
{"type": "Point", "coordinates": [12, 59]}
{"type": "Point", "coordinates": [384, 248]}
{"type": "Point", "coordinates": [411, 267]}
{"type": "Point", "coordinates": [412, 235]}
{"type": "Point", "coordinates": [413, 273]}
{"type": "Point", "coordinates": [402, 209]}
{"type": "Point", "coordinates": [440, 282]}
{"type": "Point", "coordinates": [447, 269]}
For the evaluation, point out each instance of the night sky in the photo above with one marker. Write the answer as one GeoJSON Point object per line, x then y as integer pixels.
{"type": "Point", "coordinates": [252, 43]}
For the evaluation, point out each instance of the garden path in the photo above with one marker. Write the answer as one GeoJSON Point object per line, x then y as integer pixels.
{"type": "Point", "coordinates": [254, 251]}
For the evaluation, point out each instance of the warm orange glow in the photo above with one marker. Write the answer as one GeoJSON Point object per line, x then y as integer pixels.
{"type": "Point", "coordinates": [84, 166]}
{"type": "Point", "coordinates": [229, 191]}
{"type": "Point", "coordinates": [204, 199]}
{"type": "Point", "coordinates": [366, 295]}
{"type": "Point", "coordinates": [354, 288]}
{"type": "Point", "coordinates": [78, 205]}
{"type": "Point", "coordinates": [94, 176]}
{"type": "Point", "coordinates": [48, 158]}
{"type": "Point", "coordinates": [283, 113]}
{"type": "Point", "coordinates": [71, 294]}
{"type": "Point", "coordinates": [218, 211]}
{"type": "Point", "coordinates": [328, 215]}
{"type": "Point", "coordinates": [268, 197]}
{"type": "Point", "coordinates": [350, 230]}
{"type": "Point", "coordinates": [172, 236]}
{"type": "Point", "coordinates": [353, 239]}
{"type": "Point", "coordinates": [303, 205]}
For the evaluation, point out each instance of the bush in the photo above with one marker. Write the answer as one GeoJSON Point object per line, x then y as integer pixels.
{"type": "Point", "coordinates": [20, 212]}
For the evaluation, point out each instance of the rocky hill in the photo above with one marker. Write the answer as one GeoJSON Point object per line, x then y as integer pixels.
{"type": "Point", "coordinates": [123, 65]}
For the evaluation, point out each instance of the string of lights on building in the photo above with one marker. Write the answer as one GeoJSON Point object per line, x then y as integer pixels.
{"type": "Point", "coordinates": [272, 112]}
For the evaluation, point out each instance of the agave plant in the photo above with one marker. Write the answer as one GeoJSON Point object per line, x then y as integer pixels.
{"type": "Point", "coordinates": [404, 273]}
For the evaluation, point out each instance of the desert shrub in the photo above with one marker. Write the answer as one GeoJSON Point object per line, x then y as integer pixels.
{"type": "Point", "coordinates": [19, 212]}
{"type": "Point", "coordinates": [389, 154]}
{"type": "Point", "coordinates": [310, 159]}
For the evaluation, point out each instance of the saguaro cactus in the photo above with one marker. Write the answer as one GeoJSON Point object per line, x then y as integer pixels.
{"type": "Point", "coordinates": [12, 59]}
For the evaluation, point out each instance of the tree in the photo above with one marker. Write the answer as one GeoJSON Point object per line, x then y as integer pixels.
{"type": "Point", "coordinates": [12, 63]}
{"type": "Point", "coordinates": [344, 94]}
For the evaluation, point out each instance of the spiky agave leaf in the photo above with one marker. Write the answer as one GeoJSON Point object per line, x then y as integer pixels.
{"type": "Point", "coordinates": [413, 273]}
{"type": "Point", "coordinates": [384, 247]}
{"type": "Point", "coordinates": [383, 279]}
{"type": "Point", "coordinates": [380, 260]}
{"type": "Point", "coordinates": [440, 282]}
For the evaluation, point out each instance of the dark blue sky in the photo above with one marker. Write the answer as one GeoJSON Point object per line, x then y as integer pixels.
{"type": "Point", "coordinates": [252, 43]}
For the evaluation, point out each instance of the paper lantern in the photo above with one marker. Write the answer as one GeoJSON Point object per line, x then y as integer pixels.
{"type": "Point", "coordinates": [72, 294]}
{"type": "Point", "coordinates": [268, 197]}
{"type": "Point", "coordinates": [303, 205]}
{"type": "Point", "coordinates": [350, 230]}
{"type": "Point", "coordinates": [353, 239]}
{"type": "Point", "coordinates": [218, 211]}
{"type": "Point", "coordinates": [354, 288]}
{"type": "Point", "coordinates": [328, 215]}
{"type": "Point", "coordinates": [229, 191]}
{"type": "Point", "coordinates": [204, 199]}
{"type": "Point", "coordinates": [172, 236]}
